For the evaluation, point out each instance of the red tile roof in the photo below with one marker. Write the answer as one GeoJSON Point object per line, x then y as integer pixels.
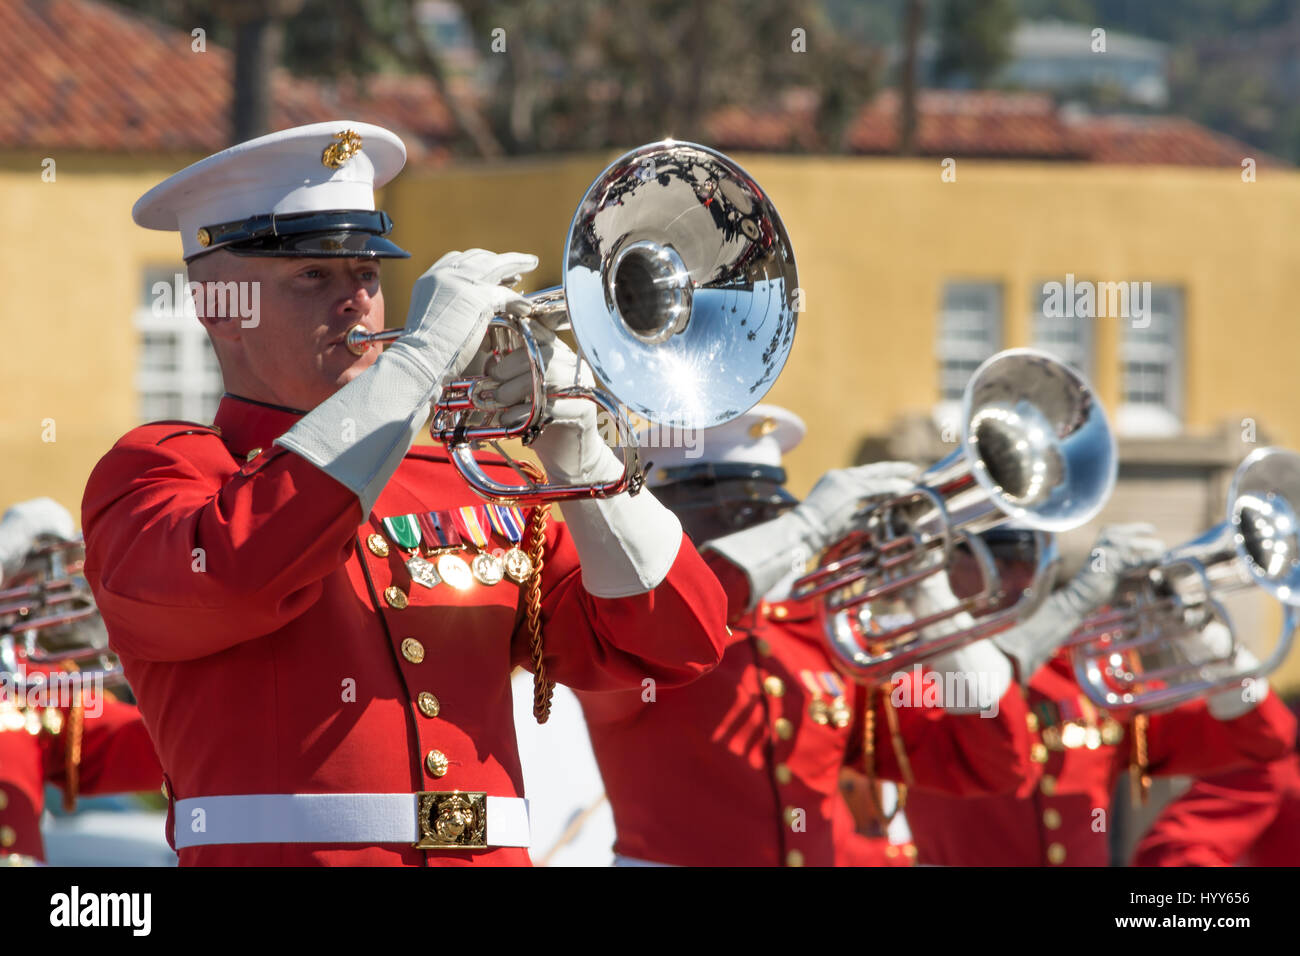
{"type": "Point", "coordinates": [991, 124]}
{"type": "Point", "coordinates": [84, 75]}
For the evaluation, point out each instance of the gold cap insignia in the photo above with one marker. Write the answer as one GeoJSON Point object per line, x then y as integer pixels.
{"type": "Point", "coordinates": [765, 427]}
{"type": "Point", "coordinates": [336, 154]}
{"type": "Point", "coordinates": [205, 238]}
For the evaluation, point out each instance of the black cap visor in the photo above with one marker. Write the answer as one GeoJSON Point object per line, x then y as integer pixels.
{"type": "Point", "coordinates": [340, 233]}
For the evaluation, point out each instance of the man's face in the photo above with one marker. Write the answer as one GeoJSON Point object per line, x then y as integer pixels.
{"type": "Point", "coordinates": [294, 353]}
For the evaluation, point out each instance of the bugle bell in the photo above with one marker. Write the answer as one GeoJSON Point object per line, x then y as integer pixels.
{"type": "Point", "coordinates": [1132, 655]}
{"type": "Point", "coordinates": [1036, 449]}
{"type": "Point", "coordinates": [679, 287]}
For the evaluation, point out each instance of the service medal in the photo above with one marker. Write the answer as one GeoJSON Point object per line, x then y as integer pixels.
{"type": "Point", "coordinates": [487, 568]}
{"type": "Point", "coordinates": [840, 713]}
{"type": "Point", "coordinates": [1073, 735]}
{"type": "Point", "coordinates": [455, 571]}
{"type": "Point", "coordinates": [423, 572]}
{"type": "Point", "coordinates": [819, 711]}
{"type": "Point", "coordinates": [1112, 732]}
{"type": "Point", "coordinates": [518, 566]}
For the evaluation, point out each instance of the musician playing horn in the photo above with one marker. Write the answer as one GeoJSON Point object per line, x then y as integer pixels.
{"type": "Point", "coordinates": [56, 732]}
{"type": "Point", "coordinates": [319, 619]}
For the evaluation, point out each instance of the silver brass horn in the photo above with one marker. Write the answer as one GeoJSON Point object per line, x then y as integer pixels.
{"type": "Point", "coordinates": [1130, 655]}
{"type": "Point", "coordinates": [679, 287]}
{"type": "Point", "coordinates": [1035, 449]}
{"type": "Point", "coordinates": [49, 622]}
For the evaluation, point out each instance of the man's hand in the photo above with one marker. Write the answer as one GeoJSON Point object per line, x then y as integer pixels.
{"type": "Point", "coordinates": [24, 524]}
{"type": "Point", "coordinates": [767, 552]}
{"type": "Point", "coordinates": [1119, 549]}
{"type": "Point", "coordinates": [570, 447]}
{"type": "Point", "coordinates": [451, 305]}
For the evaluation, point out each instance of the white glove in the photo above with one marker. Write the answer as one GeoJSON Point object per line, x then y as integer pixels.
{"type": "Point", "coordinates": [25, 523]}
{"type": "Point", "coordinates": [626, 544]}
{"type": "Point", "coordinates": [1211, 643]}
{"type": "Point", "coordinates": [1119, 548]}
{"type": "Point", "coordinates": [766, 552]}
{"type": "Point", "coordinates": [977, 673]}
{"type": "Point", "coordinates": [359, 435]}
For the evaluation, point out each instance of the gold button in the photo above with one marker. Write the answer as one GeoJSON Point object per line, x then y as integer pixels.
{"type": "Point", "coordinates": [4, 799]}
{"type": "Point", "coordinates": [891, 851]}
{"type": "Point", "coordinates": [783, 774]}
{"type": "Point", "coordinates": [1052, 818]}
{"type": "Point", "coordinates": [427, 703]}
{"type": "Point", "coordinates": [7, 836]}
{"type": "Point", "coordinates": [780, 612]}
{"type": "Point", "coordinates": [774, 685]}
{"type": "Point", "coordinates": [395, 597]}
{"type": "Point", "coordinates": [413, 650]}
{"type": "Point", "coordinates": [204, 237]}
{"type": "Point", "coordinates": [436, 763]}
{"type": "Point", "coordinates": [1032, 721]}
{"type": "Point", "coordinates": [377, 545]}
{"type": "Point", "coordinates": [794, 858]}
{"type": "Point", "coordinates": [784, 729]}
{"type": "Point", "coordinates": [764, 648]}
{"type": "Point", "coordinates": [1038, 753]}
{"type": "Point", "coordinates": [788, 815]}
{"type": "Point", "coordinates": [909, 851]}
{"type": "Point", "coordinates": [1056, 854]}
{"type": "Point", "coordinates": [1048, 785]}
{"type": "Point", "coordinates": [765, 610]}
{"type": "Point", "coordinates": [252, 454]}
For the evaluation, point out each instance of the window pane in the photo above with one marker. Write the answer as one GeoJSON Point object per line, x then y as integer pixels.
{"type": "Point", "coordinates": [159, 352]}
{"type": "Point", "coordinates": [970, 330]}
{"type": "Point", "coordinates": [1068, 338]}
{"type": "Point", "coordinates": [1152, 358]}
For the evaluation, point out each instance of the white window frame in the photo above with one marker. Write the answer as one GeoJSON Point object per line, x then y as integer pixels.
{"type": "Point", "coordinates": [1079, 354]}
{"type": "Point", "coordinates": [950, 350]}
{"type": "Point", "coordinates": [1148, 419]}
{"type": "Point", "coordinates": [196, 380]}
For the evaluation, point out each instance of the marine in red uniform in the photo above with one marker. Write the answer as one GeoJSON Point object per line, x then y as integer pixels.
{"type": "Point", "coordinates": [1080, 752]}
{"type": "Point", "coordinates": [52, 729]}
{"type": "Point", "coordinates": [315, 616]}
{"type": "Point", "coordinates": [1244, 817]}
{"type": "Point", "coordinates": [742, 767]}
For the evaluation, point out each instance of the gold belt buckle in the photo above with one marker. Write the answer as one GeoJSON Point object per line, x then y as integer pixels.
{"type": "Point", "coordinates": [452, 820]}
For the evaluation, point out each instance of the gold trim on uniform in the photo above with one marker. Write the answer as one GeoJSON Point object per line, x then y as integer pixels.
{"type": "Point", "coordinates": [377, 545]}
{"type": "Point", "coordinates": [427, 703]}
{"type": "Point", "coordinates": [773, 685]}
{"type": "Point", "coordinates": [253, 454]}
{"type": "Point", "coordinates": [413, 650]}
{"type": "Point", "coordinates": [455, 819]}
{"type": "Point", "coordinates": [395, 597]}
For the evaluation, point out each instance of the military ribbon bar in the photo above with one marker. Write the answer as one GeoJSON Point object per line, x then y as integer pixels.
{"type": "Point", "coordinates": [404, 530]}
{"type": "Point", "coordinates": [438, 527]}
{"type": "Point", "coordinates": [834, 686]}
{"type": "Point", "coordinates": [474, 524]}
{"type": "Point", "coordinates": [810, 682]}
{"type": "Point", "coordinates": [507, 522]}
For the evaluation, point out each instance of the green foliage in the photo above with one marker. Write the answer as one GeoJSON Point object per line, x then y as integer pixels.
{"type": "Point", "coordinates": [974, 38]}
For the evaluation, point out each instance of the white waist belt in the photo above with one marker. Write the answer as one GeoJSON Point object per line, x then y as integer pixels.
{"type": "Point", "coordinates": [329, 818]}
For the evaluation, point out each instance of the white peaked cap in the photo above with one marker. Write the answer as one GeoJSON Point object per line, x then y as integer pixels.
{"type": "Point", "coordinates": [759, 437]}
{"type": "Point", "coordinates": [314, 168]}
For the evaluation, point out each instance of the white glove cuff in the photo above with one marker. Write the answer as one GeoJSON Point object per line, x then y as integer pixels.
{"type": "Point", "coordinates": [359, 435]}
{"type": "Point", "coordinates": [1239, 699]}
{"type": "Point", "coordinates": [767, 552]}
{"type": "Point", "coordinates": [626, 544]}
{"type": "Point", "coordinates": [979, 674]}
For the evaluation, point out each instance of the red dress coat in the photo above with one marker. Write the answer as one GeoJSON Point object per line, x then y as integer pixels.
{"type": "Point", "coordinates": [1064, 819]}
{"type": "Point", "coordinates": [249, 610]}
{"type": "Point", "coordinates": [1247, 817]}
{"type": "Point", "coordinates": [115, 755]}
{"type": "Point", "coordinates": [735, 769]}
